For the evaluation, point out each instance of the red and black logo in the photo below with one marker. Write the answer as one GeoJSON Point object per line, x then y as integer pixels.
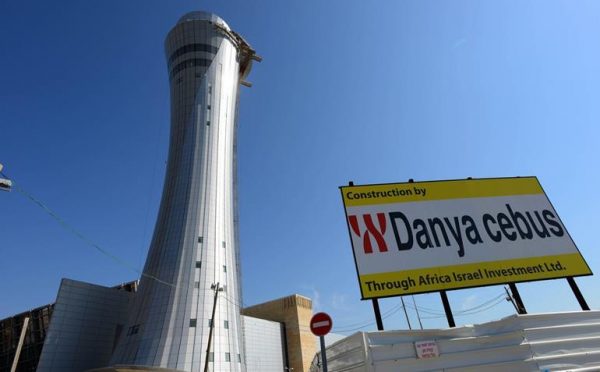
{"type": "Point", "coordinates": [371, 231]}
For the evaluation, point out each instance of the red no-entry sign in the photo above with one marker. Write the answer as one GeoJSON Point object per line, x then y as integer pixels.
{"type": "Point", "coordinates": [321, 324]}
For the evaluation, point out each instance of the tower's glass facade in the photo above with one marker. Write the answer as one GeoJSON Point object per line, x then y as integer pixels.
{"type": "Point", "coordinates": [195, 244]}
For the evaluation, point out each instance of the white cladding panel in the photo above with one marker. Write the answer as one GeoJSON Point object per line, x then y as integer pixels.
{"type": "Point", "coordinates": [264, 345]}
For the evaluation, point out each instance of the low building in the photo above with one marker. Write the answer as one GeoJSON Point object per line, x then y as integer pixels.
{"type": "Point", "coordinates": [72, 315]}
{"type": "Point", "coordinates": [294, 312]}
{"type": "Point", "coordinates": [80, 331]}
{"type": "Point", "coordinates": [10, 332]}
{"type": "Point", "coordinates": [87, 322]}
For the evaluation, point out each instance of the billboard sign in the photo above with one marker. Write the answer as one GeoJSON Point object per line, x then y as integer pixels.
{"type": "Point", "coordinates": [430, 236]}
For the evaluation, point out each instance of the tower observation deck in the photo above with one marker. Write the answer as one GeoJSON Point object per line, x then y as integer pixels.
{"type": "Point", "coordinates": [195, 241]}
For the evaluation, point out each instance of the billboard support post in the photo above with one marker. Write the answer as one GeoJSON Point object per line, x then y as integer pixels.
{"type": "Point", "coordinates": [515, 294]}
{"type": "Point", "coordinates": [578, 295]}
{"type": "Point", "coordinates": [377, 315]}
{"type": "Point", "coordinates": [447, 309]}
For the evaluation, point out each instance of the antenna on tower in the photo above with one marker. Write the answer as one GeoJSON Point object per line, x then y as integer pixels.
{"type": "Point", "coordinates": [246, 53]}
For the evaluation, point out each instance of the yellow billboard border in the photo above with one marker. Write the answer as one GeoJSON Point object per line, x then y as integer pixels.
{"type": "Point", "coordinates": [354, 196]}
{"type": "Point", "coordinates": [532, 183]}
{"type": "Point", "coordinates": [538, 268]}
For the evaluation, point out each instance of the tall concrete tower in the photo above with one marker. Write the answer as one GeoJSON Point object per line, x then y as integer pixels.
{"type": "Point", "coordinates": [194, 250]}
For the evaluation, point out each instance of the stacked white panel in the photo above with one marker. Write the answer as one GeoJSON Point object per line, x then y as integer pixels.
{"type": "Point", "coordinates": [535, 342]}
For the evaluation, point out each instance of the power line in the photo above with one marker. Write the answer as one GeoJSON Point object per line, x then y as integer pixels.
{"type": "Point", "coordinates": [366, 323]}
{"type": "Point", "coordinates": [385, 314]}
{"type": "Point", "coordinates": [498, 301]}
{"type": "Point", "coordinates": [459, 312]}
{"type": "Point", "coordinates": [81, 236]}
{"type": "Point", "coordinates": [398, 307]}
{"type": "Point", "coordinates": [486, 305]}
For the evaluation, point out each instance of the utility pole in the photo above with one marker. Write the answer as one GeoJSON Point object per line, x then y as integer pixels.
{"type": "Point", "coordinates": [510, 299]}
{"type": "Point", "coordinates": [417, 310]}
{"type": "Point", "coordinates": [217, 288]}
{"type": "Point", "coordinates": [405, 312]}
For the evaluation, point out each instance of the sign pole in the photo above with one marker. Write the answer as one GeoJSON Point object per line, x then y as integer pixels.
{"type": "Point", "coordinates": [323, 356]}
{"type": "Point", "coordinates": [578, 295]}
{"type": "Point", "coordinates": [515, 294]}
{"type": "Point", "coordinates": [447, 309]}
{"type": "Point", "coordinates": [378, 318]}
{"type": "Point", "coordinates": [320, 325]}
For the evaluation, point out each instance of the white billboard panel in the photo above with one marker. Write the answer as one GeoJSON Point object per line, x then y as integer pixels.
{"type": "Point", "coordinates": [431, 236]}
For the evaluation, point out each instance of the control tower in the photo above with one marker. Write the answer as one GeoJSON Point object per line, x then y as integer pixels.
{"type": "Point", "coordinates": [194, 253]}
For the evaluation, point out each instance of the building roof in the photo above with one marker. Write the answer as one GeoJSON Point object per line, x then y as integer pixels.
{"type": "Point", "coordinates": [200, 15]}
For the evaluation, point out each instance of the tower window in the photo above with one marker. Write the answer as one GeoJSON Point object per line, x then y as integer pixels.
{"type": "Point", "coordinates": [200, 239]}
{"type": "Point", "coordinates": [192, 322]}
{"type": "Point", "coordinates": [210, 323]}
{"type": "Point", "coordinates": [228, 357]}
{"type": "Point", "coordinates": [194, 62]}
{"type": "Point", "coordinates": [226, 324]}
{"type": "Point", "coordinates": [224, 244]}
{"type": "Point", "coordinates": [197, 284]}
{"type": "Point", "coordinates": [224, 268]}
{"type": "Point", "coordinates": [196, 47]}
{"type": "Point", "coordinates": [198, 264]}
{"type": "Point", "coordinates": [211, 356]}
{"type": "Point", "coordinates": [133, 330]}
{"type": "Point", "coordinates": [239, 358]}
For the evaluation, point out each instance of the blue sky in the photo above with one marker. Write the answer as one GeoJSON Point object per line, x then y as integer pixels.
{"type": "Point", "coordinates": [348, 90]}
